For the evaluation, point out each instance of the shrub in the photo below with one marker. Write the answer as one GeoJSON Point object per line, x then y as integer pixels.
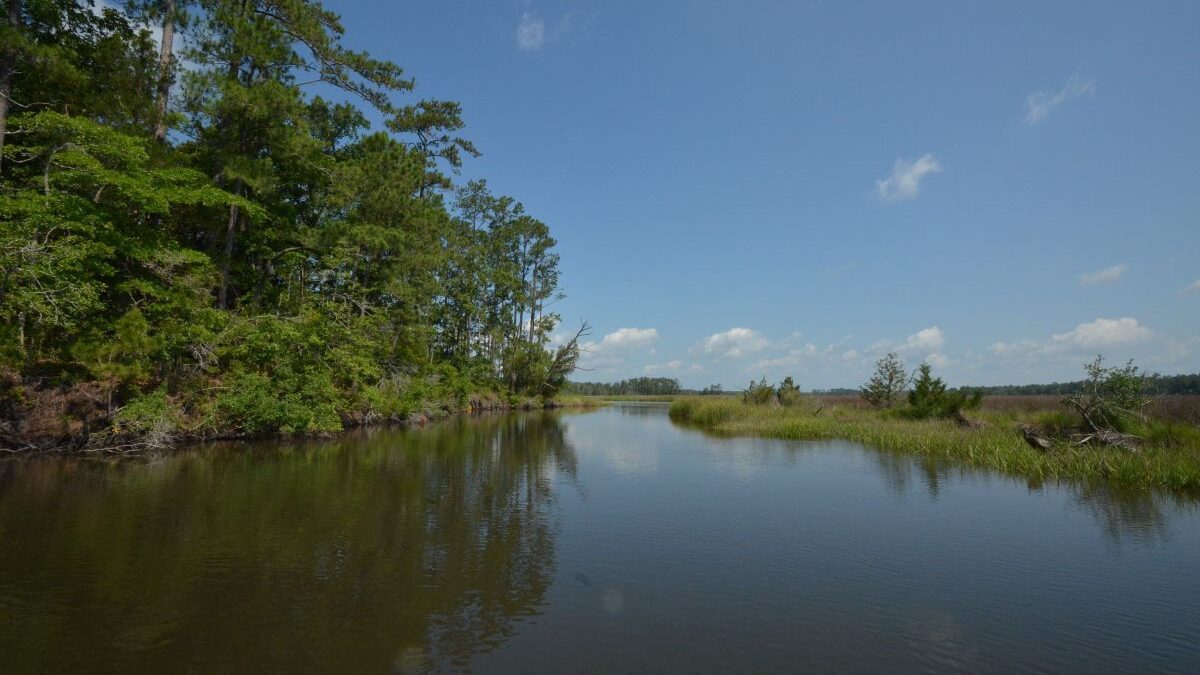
{"type": "Point", "coordinates": [789, 392]}
{"type": "Point", "coordinates": [759, 393]}
{"type": "Point", "coordinates": [151, 420]}
{"type": "Point", "coordinates": [1111, 397]}
{"type": "Point", "coordinates": [254, 405]}
{"type": "Point", "coordinates": [929, 397]}
{"type": "Point", "coordinates": [886, 385]}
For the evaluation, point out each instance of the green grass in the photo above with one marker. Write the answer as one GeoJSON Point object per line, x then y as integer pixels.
{"type": "Point", "coordinates": [1169, 458]}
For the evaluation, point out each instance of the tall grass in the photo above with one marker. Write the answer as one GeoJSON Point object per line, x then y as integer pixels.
{"type": "Point", "coordinates": [1170, 459]}
{"type": "Point", "coordinates": [1183, 408]}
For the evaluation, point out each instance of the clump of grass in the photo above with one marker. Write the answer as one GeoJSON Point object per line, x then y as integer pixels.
{"type": "Point", "coordinates": [1169, 457]}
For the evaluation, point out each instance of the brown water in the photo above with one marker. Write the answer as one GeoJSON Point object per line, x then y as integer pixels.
{"type": "Point", "coordinates": [609, 541]}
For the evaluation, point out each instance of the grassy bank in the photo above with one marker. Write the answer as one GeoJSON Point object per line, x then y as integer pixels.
{"type": "Point", "coordinates": [1170, 459]}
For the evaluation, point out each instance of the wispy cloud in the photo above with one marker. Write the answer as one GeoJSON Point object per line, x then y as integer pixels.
{"type": "Point", "coordinates": [531, 32]}
{"type": "Point", "coordinates": [534, 32]}
{"type": "Point", "coordinates": [1193, 288]}
{"type": "Point", "coordinates": [905, 180]}
{"type": "Point", "coordinates": [732, 343]}
{"type": "Point", "coordinates": [1040, 104]}
{"type": "Point", "coordinates": [1107, 275]}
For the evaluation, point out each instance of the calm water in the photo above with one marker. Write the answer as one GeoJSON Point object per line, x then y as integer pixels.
{"type": "Point", "coordinates": [607, 541]}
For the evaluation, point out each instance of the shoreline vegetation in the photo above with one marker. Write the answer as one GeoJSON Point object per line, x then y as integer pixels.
{"type": "Point", "coordinates": [114, 440]}
{"type": "Point", "coordinates": [194, 243]}
{"type": "Point", "coordinates": [1169, 457]}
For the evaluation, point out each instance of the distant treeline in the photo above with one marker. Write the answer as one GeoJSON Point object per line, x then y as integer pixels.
{"type": "Point", "coordinates": [1153, 385]}
{"type": "Point", "coordinates": [646, 386]}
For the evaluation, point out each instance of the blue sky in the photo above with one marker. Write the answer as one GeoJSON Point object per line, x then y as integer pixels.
{"type": "Point", "coordinates": [772, 188]}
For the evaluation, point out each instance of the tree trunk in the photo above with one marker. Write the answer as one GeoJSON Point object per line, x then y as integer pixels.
{"type": "Point", "coordinates": [227, 260]}
{"type": "Point", "coordinates": [164, 70]}
{"type": "Point", "coordinates": [8, 67]}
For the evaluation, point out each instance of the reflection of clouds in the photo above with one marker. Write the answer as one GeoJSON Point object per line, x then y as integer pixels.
{"type": "Point", "coordinates": [632, 460]}
{"type": "Point", "coordinates": [746, 458]}
{"type": "Point", "coordinates": [742, 460]}
{"type": "Point", "coordinates": [629, 451]}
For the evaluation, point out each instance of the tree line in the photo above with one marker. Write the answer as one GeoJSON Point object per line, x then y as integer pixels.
{"type": "Point", "coordinates": [644, 386]}
{"type": "Point", "coordinates": [207, 233]}
{"type": "Point", "coordinates": [1153, 384]}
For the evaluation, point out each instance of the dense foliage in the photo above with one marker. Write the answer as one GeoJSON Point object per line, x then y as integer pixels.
{"type": "Point", "coordinates": [207, 230]}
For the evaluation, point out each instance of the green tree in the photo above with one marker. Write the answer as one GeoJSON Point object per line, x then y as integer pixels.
{"type": "Point", "coordinates": [1111, 396]}
{"type": "Point", "coordinates": [887, 383]}
{"type": "Point", "coordinates": [930, 398]}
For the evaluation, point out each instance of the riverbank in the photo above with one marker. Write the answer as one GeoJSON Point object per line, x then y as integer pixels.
{"type": "Point", "coordinates": [1169, 459]}
{"type": "Point", "coordinates": [77, 423]}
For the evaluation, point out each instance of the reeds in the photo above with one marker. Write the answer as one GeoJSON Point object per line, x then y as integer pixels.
{"type": "Point", "coordinates": [1169, 458]}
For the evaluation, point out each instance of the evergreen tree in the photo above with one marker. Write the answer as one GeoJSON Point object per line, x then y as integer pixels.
{"type": "Point", "coordinates": [887, 383]}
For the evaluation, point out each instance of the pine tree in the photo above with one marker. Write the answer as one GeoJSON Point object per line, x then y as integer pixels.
{"type": "Point", "coordinates": [887, 383]}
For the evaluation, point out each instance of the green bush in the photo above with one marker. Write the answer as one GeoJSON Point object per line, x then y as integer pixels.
{"type": "Point", "coordinates": [929, 397]}
{"type": "Point", "coordinates": [789, 392]}
{"type": "Point", "coordinates": [1111, 398]}
{"type": "Point", "coordinates": [254, 404]}
{"type": "Point", "coordinates": [151, 418]}
{"type": "Point", "coordinates": [759, 393]}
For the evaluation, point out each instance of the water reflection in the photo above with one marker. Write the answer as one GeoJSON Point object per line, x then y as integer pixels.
{"type": "Point", "coordinates": [1139, 516]}
{"type": "Point", "coordinates": [383, 551]}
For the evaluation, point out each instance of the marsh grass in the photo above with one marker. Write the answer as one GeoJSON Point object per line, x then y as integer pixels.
{"type": "Point", "coordinates": [1169, 459]}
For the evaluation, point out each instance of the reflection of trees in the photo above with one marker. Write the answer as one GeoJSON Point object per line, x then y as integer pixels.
{"type": "Point", "coordinates": [1138, 515]}
{"type": "Point", "coordinates": [900, 471]}
{"type": "Point", "coordinates": [380, 551]}
{"type": "Point", "coordinates": [1135, 514]}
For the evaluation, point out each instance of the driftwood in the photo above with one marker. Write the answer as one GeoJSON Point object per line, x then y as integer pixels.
{"type": "Point", "coordinates": [1036, 442]}
{"type": "Point", "coordinates": [1109, 437]}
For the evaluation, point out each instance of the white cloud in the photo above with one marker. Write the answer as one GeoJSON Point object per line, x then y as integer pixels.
{"type": "Point", "coordinates": [850, 355]}
{"type": "Point", "coordinates": [628, 338]}
{"type": "Point", "coordinates": [905, 181]}
{"type": "Point", "coordinates": [1107, 275]}
{"type": "Point", "coordinates": [1041, 103]}
{"type": "Point", "coordinates": [927, 339]}
{"type": "Point", "coordinates": [1194, 287]}
{"type": "Point", "coordinates": [531, 32]}
{"type": "Point", "coordinates": [732, 343]}
{"type": "Point", "coordinates": [1103, 332]}
{"type": "Point", "coordinates": [1086, 336]}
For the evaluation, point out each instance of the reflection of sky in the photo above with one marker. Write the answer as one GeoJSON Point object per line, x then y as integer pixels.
{"type": "Point", "coordinates": [755, 554]}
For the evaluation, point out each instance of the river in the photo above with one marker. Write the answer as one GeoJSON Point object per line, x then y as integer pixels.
{"type": "Point", "coordinates": [603, 541]}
